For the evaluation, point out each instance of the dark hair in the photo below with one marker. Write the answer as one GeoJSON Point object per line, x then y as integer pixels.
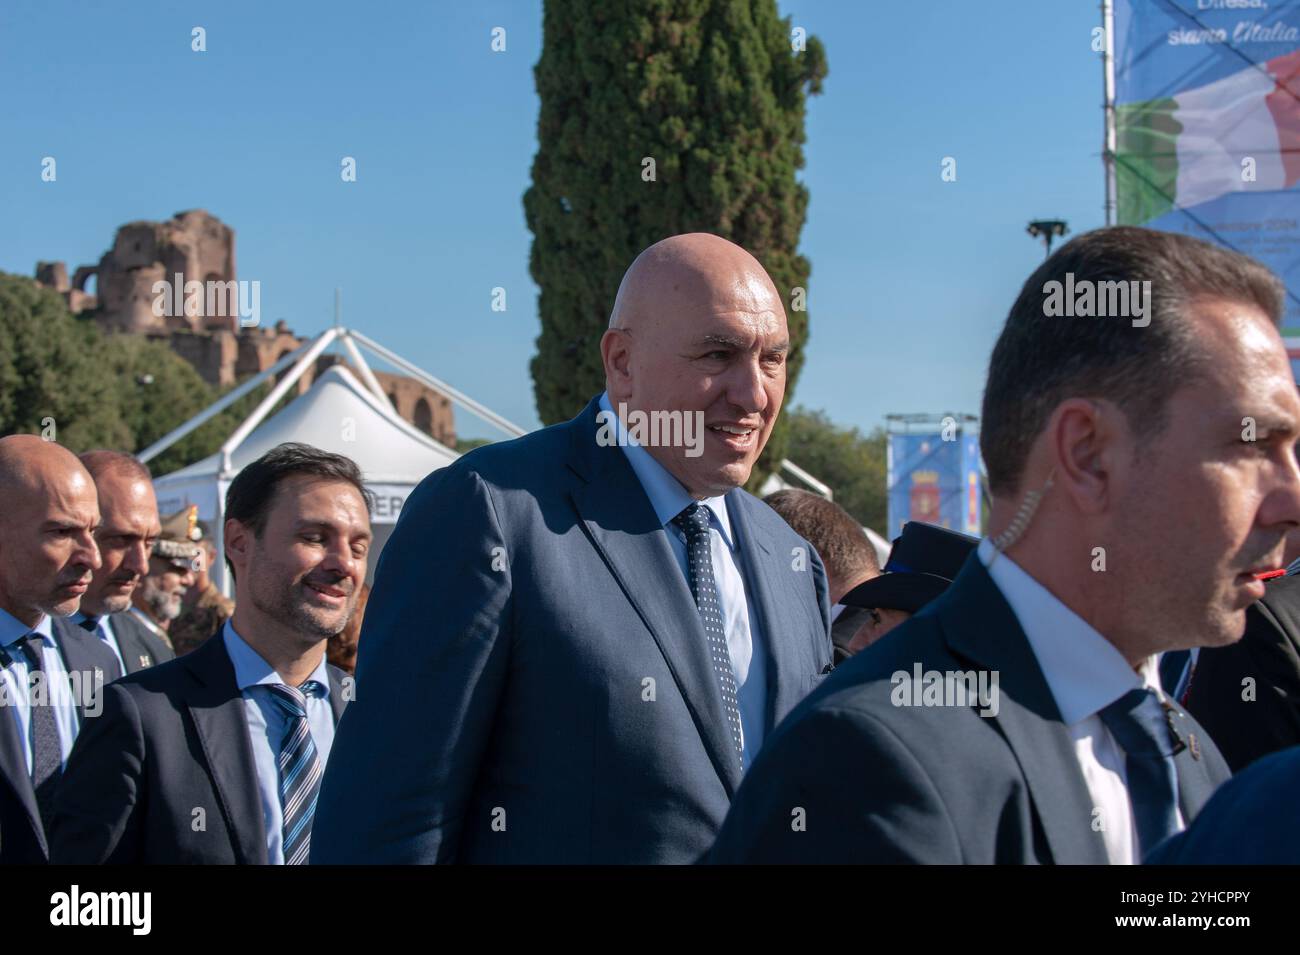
{"type": "Point", "coordinates": [1043, 358]}
{"type": "Point", "coordinates": [251, 493]}
{"type": "Point", "coordinates": [839, 539]}
{"type": "Point", "coordinates": [101, 462]}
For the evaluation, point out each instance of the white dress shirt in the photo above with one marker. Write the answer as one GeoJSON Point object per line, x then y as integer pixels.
{"type": "Point", "coordinates": [17, 684]}
{"type": "Point", "coordinates": [1085, 673]}
{"type": "Point", "coordinates": [744, 640]}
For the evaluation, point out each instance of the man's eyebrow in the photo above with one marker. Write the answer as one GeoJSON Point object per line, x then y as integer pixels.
{"type": "Point", "coordinates": [60, 524]}
{"type": "Point", "coordinates": [1275, 426]}
{"type": "Point", "coordinates": [727, 341]}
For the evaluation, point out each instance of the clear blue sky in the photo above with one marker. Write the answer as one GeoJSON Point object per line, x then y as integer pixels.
{"type": "Point", "coordinates": [911, 277]}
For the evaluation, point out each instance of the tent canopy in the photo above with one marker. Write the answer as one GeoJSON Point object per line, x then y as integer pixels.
{"type": "Point", "coordinates": [336, 414]}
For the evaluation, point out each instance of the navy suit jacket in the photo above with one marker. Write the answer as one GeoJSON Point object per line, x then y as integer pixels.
{"type": "Point", "coordinates": [22, 837]}
{"type": "Point", "coordinates": [140, 647]}
{"type": "Point", "coordinates": [1254, 819]}
{"type": "Point", "coordinates": [533, 678]}
{"type": "Point", "coordinates": [852, 777]}
{"type": "Point", "coordinates": [172, 739]}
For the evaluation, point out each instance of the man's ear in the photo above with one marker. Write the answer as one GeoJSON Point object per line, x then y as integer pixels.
{"type": "Point", "coordinates": [239, 543]}
{"type": "Point", "coordinates": [616, 354]}
{"type": "Point", "coordinates": [1085, 441]}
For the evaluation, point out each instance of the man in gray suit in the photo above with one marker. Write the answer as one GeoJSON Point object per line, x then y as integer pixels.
{"type": "Point", "coordinates": [127, 533]}
{"type": "Point", "coordinates": [578, 640]}
{"type": "Point", "coordinates": [1018, 718]}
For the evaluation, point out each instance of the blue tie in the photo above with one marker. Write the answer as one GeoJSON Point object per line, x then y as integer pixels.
{"type": "Point", "coordinates": [300, 770]}
{"type": "Point", "coordinates": [694, 522]}
{"type": "Point", "coordinates": [1138, 723]}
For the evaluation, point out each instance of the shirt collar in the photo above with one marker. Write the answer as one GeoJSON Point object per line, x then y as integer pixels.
{"type": "Point", "coordinates": [1083, 669]}
{"type": "Point", "coordinates": [12, 629]}
{"type": "Point", "coordinates": [252, 670]}
{"type": "Point", "coordinates": [667, 496]}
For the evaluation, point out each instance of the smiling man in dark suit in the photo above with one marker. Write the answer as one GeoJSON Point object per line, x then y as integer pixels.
{"type": "Point", "coordinates": [50, 681]}
{"type": "Point", "coordinates": [216, 757]}
{"type": "Point", "coordinates": [1129, 516]}
{"type": "Point", "coordinates": [578, 640]}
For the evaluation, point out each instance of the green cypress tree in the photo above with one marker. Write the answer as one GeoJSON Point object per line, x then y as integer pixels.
{"type": "Point", "coordinates": [712, 91]}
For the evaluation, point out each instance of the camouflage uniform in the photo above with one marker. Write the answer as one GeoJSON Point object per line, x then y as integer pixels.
{"type": "Point", "coordinates": [201, 621]}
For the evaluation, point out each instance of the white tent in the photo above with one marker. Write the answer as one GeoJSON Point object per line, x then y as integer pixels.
{"type": "Point", "coordinates": [336, 414]}
{"type": "Point", "coordinates": [339, 414]}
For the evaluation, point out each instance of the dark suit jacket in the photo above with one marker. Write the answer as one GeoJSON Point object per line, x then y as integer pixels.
{"type": "Point", "coordinates": [871, 781]}
{"type": "Point", "coordinates": [173, 739]}
{"type": "Point", "coordinates": [533, 680]}
{"type": "Point", "coordinates": [1268, 719]}
{"type": "Point", "coordinates": [1254, 819]}
{"type": "Point", "coordinates": [22, 838]}
{"type": "Point", "coordinates": [140, 647]}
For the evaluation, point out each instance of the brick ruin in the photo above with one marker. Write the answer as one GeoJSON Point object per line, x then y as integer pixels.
{"type": "Point", "coordinates": [198, 246]}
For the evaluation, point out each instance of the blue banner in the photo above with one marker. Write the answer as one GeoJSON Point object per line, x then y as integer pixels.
{"type": "Point", "coordinates": [934, 480]}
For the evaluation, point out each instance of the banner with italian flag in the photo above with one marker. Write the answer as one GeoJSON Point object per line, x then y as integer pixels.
{"type": "Point", "coordinates": [1207, 109]}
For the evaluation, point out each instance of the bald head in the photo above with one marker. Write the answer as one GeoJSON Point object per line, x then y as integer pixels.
{"type": "Point", "coordinates": [699, 329]}
{"type": "Point", "coordinates": [47, 548]}
{"type": "Point", "coordinates": [684, 274]}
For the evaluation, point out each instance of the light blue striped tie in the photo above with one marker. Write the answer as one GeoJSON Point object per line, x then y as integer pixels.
{"type": "Point", "coordinates": [300, 770]}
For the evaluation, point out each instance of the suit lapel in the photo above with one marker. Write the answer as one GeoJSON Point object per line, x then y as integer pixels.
{"type": "Point", "coordinates": [780, 635]}
{"type": "Point", "coordinates": [980, 626]}
{"type": "Point", "coordinates": [337, 701]}
{"type": "Point", "coordinates": [217, 708]}
{"type": "Point", "coordinates": [13, 766]}
{"type": "Point", "coordinates": [137, 653]}
{"type": "Point", "coordinates": [1197, 764]}
{"type": "Point", "coordinates": [622, 526]}
{"type": "Point", "coordinates": [79, 650]}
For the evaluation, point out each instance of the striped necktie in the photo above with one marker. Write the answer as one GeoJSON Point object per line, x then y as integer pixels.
{"type": "Point", "coordinates": [300, 770]}
{"type": "Point", "coordinates": [694, 522]}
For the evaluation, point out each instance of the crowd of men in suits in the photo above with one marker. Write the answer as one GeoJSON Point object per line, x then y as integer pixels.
{"type": "Point", "coordinates": [582, 650]}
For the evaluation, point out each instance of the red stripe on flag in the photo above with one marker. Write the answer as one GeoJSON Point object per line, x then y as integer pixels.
{"type": "Point", "coordinates": [1284, 104]}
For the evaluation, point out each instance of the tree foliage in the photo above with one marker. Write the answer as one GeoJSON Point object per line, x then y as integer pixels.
{"type": "Point", "coordinates": [117, 391]}
{"type": "Point", "coordinates": [853, 464]}
{"type": "Point", "coordinates": [711, 92]}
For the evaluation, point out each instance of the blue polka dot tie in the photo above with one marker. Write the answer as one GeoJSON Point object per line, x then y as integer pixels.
{"type": "Point", "coordinates": [300, 770]}
{"type": "Point", "coordinates": [694, 522]}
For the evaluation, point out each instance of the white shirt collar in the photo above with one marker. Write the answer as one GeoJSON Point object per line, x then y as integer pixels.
{"type": "Point", "coordinates": [1083, 669]}
{"type": "Point", "coordinates": [252, 670]}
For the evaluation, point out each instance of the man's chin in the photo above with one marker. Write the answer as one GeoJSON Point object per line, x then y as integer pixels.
{"type": "Point", "coordinates": [106, 607]}
{"type": "Point", "coordinates": [725, 477]}
{"type": "Point", "coordinates": [65, 608]}
{"type": "Point", "coordinates": [315, 624]}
